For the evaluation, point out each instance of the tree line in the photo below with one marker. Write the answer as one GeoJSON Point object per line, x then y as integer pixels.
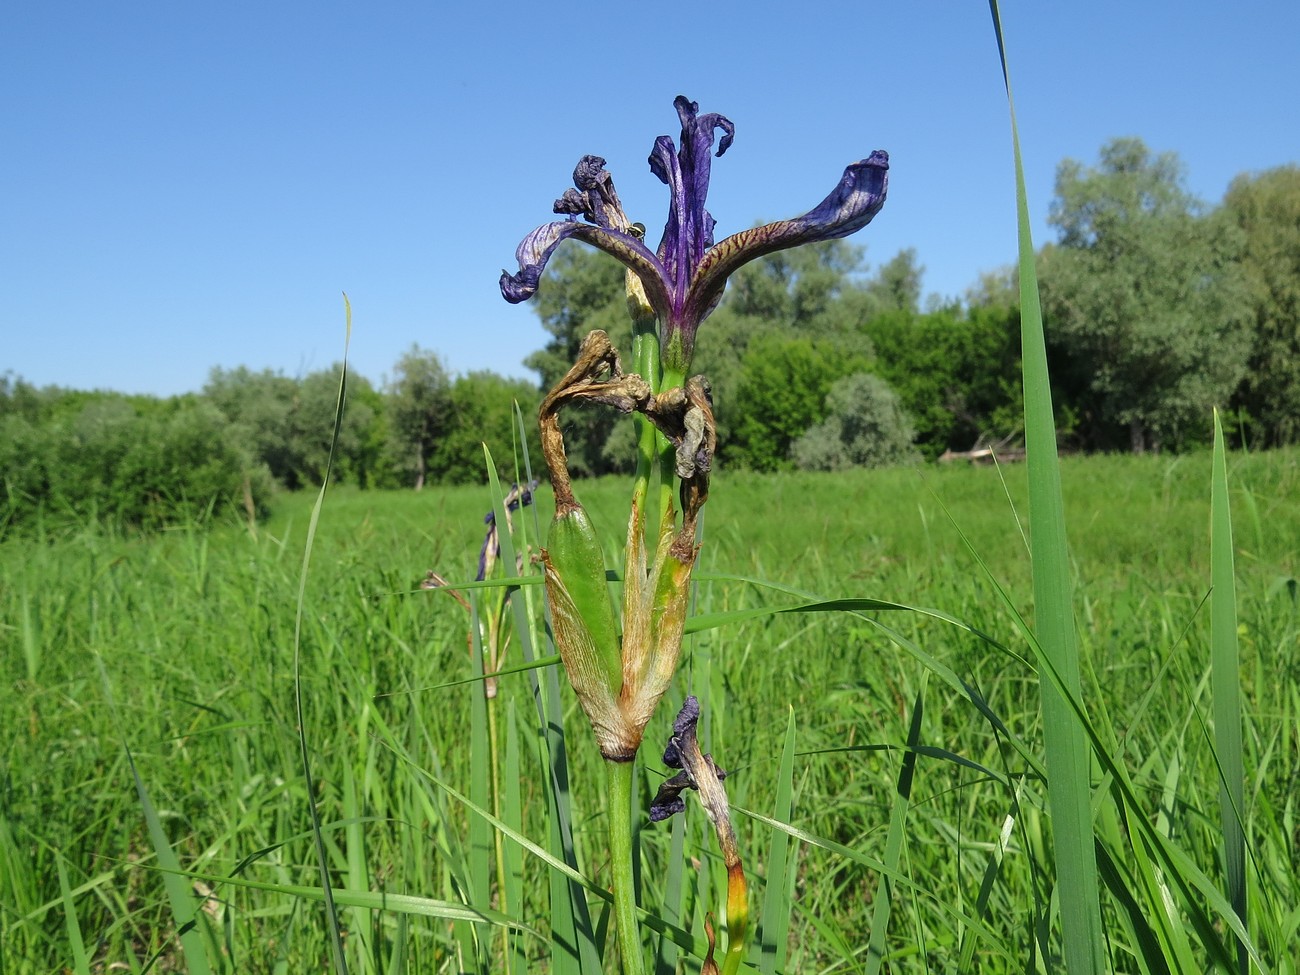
{"type": "Point", "coordinates": [1157, 307]}
{"type": "Point", "coordinates": [68, 457]}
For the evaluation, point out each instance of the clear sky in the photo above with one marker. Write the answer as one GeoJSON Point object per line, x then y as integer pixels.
{"type": "Point", "coordinates": [187, 185]}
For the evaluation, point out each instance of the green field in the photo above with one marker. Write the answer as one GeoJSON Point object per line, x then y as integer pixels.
{"type": "Point", "coordinates": [195, 632]}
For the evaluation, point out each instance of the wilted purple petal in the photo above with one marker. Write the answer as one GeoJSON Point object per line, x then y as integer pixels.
{"type": "Point", "coordinates": [683, 730]}
{"type": "Point", "coordinates": [668, 800]}
{"type": "Point", "coordinates": [685, 278]}
{"type": "Point", "coordinates": [536, 249]}
{"type": "Point", "coordinates": [683, 752]}
{"type": "Point", "coordinates": [857, 198]}
{"type": "Point", "coordinates": [491, 549]}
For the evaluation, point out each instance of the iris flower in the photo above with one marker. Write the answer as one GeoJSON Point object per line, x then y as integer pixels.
{"type": "Point", "coordinates": [685, 277]}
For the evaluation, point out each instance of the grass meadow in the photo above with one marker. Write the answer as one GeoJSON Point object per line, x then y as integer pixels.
{"type": "Point", "coordinates": [885, 766]}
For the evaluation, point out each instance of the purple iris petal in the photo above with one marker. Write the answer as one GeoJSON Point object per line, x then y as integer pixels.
{"type": "Point", "coordinates": [689, 230]}
{"type": "Point", "coordinates": [516, 497]}
{"type": "Point", "coordinates": [849, 207]}
{"type": "Point", "coordinates": [683, 752]}
{"type": "Point", "coordinates": [536, 249]}
{"type": "Point", "coordinates": [668, 800]}
{"type": "Point", "coordinates": [683, 728]}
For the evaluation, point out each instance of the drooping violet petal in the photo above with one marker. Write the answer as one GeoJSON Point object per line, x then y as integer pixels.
{"type": "Point", "coordinates": [849, 207]}
{"type": "Point", "coordinates": [668, 800]}
{"type": "Point", "coordinates": [683, 731]}
{"type": "Point", "coordinates": [573, 201]}
{"type": "Point", "coordinates": [536, 249]}
{"type": "Point", "coordinates": [683, 752]}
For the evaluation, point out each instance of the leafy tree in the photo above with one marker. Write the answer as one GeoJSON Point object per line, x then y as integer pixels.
{"type": "Point", "coordinates": [781, 392]}
{"type": "Point", "coordinates": [358, 450]}
{"type": "Point", "coordinates": [896, 285]}
{"type": "Point", "coordinates": [1143, 299]}
{"type": "Point", "coordinates": [999, 288]}
{"type": "Point", "coordinates": [955, 372]}
{"type": "Point", "coordinates": [865, 426]}
{"type": "Point", "coordinates": [288, 424]}
{"type": "Point", "coordinates": [482, 410]}
{"type": "Point", "coordinates": [1266, 209]}
{"type": "Point", "coordinates": [813, 291]}
{"type": "Point", "coordinates": [132, 461]}
{"type": "Point", "coordinates": [259, 405]}
{"type": "Point", "coordinates": [419, 410]}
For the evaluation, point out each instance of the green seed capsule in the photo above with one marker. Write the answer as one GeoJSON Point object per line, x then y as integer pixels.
{"type": "Point", "coordinates": [582, 614]}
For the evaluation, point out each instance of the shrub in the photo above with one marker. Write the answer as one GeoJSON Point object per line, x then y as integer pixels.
{"type": "Point", "coordinates": [865, 426]}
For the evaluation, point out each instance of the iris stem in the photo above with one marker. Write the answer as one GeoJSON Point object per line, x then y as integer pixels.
{"type": "Point", "coordinates": [672, 378]}
{"type": "Point", "coordinates": [644, 348]}
{"type": "Point", "coordinates": [619, 780]}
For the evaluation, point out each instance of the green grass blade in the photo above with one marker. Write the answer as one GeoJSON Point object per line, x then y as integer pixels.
{"type": "Point", "coordinates": [356, 877]}
{"type": "Point", "coordinates": [512, 813]}
{"type": "Point", "coordinates": [1068, 763]}
{"type": "Point", "coordinates": [322, 860]}
{"type": "Point", "coordinates": [414, 905]}
{"type": "Point", "coordinates": [574, 949]}
{"type": "Point", "coordinates": [185, 911]}
{"type": "Point", "coordinates": [774, 930]}
{"type": "Point", "coordinates": [80, 963]}
{"type": "Point", "coordinates": [894, 840]}
{"type": "Point", "coordinates": [1225, 683]}
{"type": "Point", "coordinates": [480, 783]}
{"type": "Point", "coordinates": [670, 906]}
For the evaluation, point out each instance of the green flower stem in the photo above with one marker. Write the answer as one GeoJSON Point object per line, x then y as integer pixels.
{"type": "Point", "coordinates": [620, 854]}
{"type": "Point", "coordinates": [645, 356]}
{"type": "Point", "coordinates": [672, 378]}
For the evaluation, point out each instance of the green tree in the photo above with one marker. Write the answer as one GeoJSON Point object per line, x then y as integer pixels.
{"type": "Point", "coordinates": [896, 285]}
{"type": "Point", "coordinates": [259, 406]}
{"type": "Point", "coordinates": [482, 411]}
{"type": "Point", "coordinates": [955, 372]}
{"type": "Point", "coordinates": [358, 449]}
{"type": "Point", "coordinates": [865, 426]}
{"type": "Point", "coordinates": [1266, 209]}
{"type": "Point", "coordinates": [781, 392]}
{"type": "Point", "coordinates": [288, 424]}
{"type": "Point", "coordinates": [1143, 299]}
{"type": "Point", "coordinates": [814, 292]}
{"type": "Point", "coordinates": [419, 411]}
{"type": "Point", "coordinates": [132, 461]}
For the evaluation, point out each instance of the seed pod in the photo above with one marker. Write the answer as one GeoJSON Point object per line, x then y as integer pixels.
{"type": "Point", "coordinates": [586, 633]}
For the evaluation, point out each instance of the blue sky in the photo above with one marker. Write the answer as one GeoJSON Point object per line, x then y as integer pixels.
{"type": "Point", "coordinates": [188, 185]}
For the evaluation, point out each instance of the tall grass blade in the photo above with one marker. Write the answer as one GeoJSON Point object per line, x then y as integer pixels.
{"type": "Point", "coordinates": [185, 911]}
{"type": "Point", "coordinates": [1066, 745]}
{"type": "Point", "coordinates": [1225, 685]}
{"type": "Point", "coordinates": [322, 859]}
{"type": "Point", "coordinates": [574, 947]}
{"type": "Point", "coordinates": [894, 839]}
{"type": "Point", "coordinates": [480, 765]}
{"type": "Point", "coordinates": [512, 813]}
{"type": "Point", "coordinates": [775, 929]}
{"type": "Point", "coordinates": [670, 906]}
{"type": "Point", "coordinates": [80, 963]}
{"type": "Point", "coordinates": [356, 878]}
